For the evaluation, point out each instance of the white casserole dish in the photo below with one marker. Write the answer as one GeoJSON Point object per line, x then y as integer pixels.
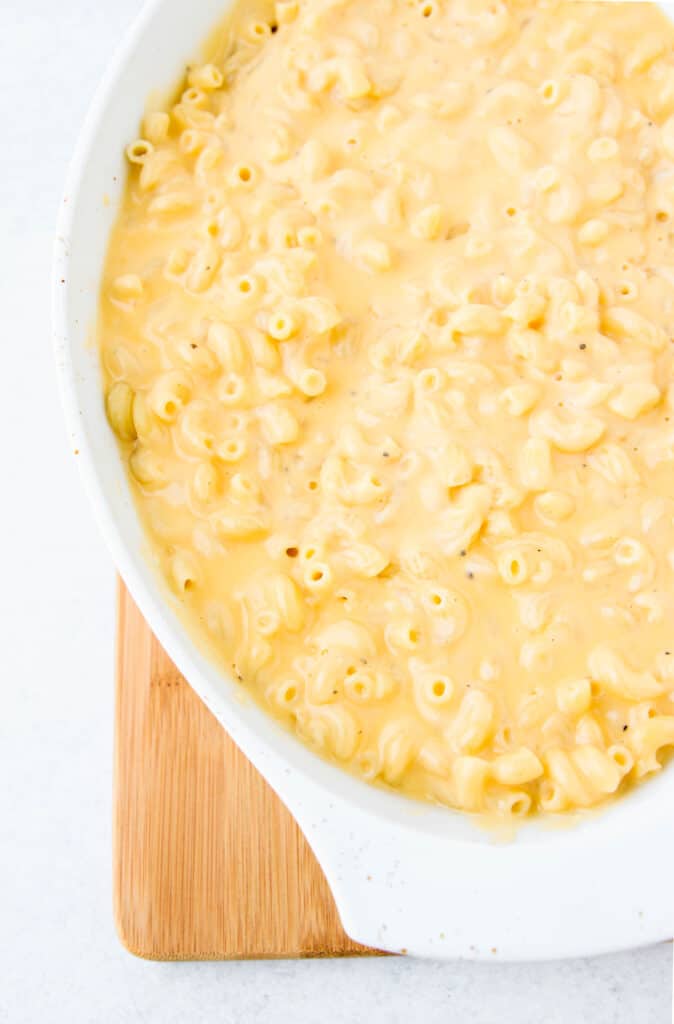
{"type": "Point", "coordinates": [406, 877]}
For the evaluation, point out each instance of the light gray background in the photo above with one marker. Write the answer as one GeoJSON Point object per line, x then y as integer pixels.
{"type": "Point", "coordinates": [59, 956]}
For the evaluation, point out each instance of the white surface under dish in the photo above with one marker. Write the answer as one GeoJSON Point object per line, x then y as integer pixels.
{"type": "Point", "coordinates": [405, 876]}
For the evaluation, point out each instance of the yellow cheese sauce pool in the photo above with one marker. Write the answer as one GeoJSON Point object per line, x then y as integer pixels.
{"type": "Point", "coordinates": [387, 330]}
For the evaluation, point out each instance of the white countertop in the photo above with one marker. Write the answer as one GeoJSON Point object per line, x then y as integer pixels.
{"type": "Point", "coordinates": [60, 958]}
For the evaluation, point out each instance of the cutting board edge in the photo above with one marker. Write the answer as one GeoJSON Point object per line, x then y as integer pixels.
{"type": "Point", "coordinates": [131, 922]}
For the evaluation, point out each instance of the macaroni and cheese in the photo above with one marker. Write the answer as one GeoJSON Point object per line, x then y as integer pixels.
{"type": "Point", "coordinates": [387, 328]}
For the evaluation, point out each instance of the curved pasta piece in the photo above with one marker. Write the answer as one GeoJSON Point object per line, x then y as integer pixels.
{"type": "Point", "coordinates": [516, 767]}
{"type": "Point", "coordinates": [647, 738]}
{"type": "Point", "coordinates": [397, 747]}
{"type": "Point", "coordinates": [330, 727]}
{"type": "Point", "coordinates": [568, 435]}
{"type": "Point", "coordinates": [433, 690]}
{"type": "Point", "coordinates": [629, 325]}
{"type": "Point", "coordinates": [469, 777]}
{"type": "Point", "coordinates": [461, 523]}
{"type": "Point", "coordinates": [473, 722]}
{"type": "Point", "coordinates": [346, 635]}
{"type": "Point", "coordinates": [613, 675]}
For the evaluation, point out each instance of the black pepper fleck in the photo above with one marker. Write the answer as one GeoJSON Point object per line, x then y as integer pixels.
{"type": "Point", "coordinates": [583, 345]}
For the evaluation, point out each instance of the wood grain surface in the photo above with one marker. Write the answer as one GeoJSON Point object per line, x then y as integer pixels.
{"type": "Point", "coordinates": [208, 863]}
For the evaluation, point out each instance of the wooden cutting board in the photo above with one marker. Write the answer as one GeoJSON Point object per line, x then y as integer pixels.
{"type": "Point", "coordinates": [208, 863]}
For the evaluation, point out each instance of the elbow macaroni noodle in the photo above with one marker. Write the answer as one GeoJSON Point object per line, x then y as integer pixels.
{"type": "Point", "coordinates": [387, 330]}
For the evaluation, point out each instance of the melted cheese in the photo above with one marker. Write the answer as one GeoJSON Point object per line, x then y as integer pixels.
{"type": "Point", "coordinates": [387, 326]}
